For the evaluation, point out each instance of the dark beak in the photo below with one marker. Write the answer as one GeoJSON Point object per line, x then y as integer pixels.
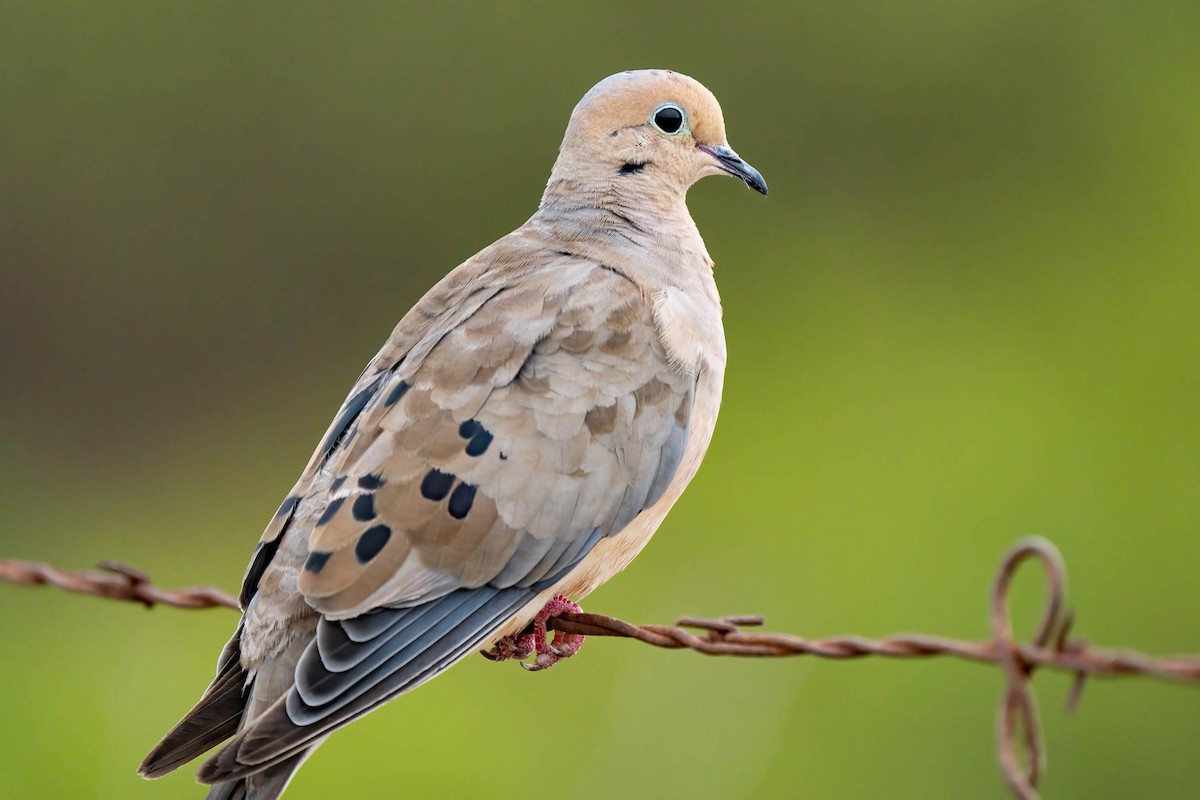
{"type": "Point", "coordinates": [732, 163]}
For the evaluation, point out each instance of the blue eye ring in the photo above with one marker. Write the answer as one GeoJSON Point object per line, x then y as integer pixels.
{"type": "Point", "coordinates": [669, 118]}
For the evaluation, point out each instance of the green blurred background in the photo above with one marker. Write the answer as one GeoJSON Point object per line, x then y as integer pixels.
{"type": "Point", "coordinates": [967, 313]}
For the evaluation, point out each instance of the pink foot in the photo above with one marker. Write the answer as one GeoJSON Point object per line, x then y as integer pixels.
{"type": "Point", "coordinates": [549, 653]}
{"type": "Point", "coordinates": [564, 645]}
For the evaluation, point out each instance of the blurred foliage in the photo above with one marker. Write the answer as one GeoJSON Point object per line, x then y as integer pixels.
{"type": "Point", "coordinates": [968, 312]}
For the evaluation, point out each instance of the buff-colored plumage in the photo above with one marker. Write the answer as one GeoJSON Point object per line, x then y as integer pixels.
{"type": "Point", "coordinates": [522, 434]}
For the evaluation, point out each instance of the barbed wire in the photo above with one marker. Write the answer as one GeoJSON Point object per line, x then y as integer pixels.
{"type": "Point", "coordinates": [1020, 745]}
{"type": "Point", "coordinates": [116, 582]}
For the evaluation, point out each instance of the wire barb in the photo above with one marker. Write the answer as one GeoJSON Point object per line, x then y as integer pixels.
{"type": "Point", "coordinates": [1019, 732]}
{"type": "Point", "coordinates": [116, 582]}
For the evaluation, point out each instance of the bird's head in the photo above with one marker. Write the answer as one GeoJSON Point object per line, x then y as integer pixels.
{"type": "Point", "coordinates": [653, 129]}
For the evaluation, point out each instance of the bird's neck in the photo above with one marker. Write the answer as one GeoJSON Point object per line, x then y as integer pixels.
{"type": "Point", "coordinates": [642, 230]}
{"type": "Point", "coordinates": [621, 210]}
{"type": "Point", "coordinates": [573, 185]}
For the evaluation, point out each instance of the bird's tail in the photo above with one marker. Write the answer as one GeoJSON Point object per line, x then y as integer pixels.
{"type": "Point", "coordinates": [266, 785]}
{"type": "Point", "coordinates": [215, 718]}
{"type": "Point", "coordinates": [229, 704]}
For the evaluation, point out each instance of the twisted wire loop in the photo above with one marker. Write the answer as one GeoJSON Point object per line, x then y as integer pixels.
{"type": "Point", "coordinates": [1018, 706]}
{"type": "Point", "coordinates": [1019, 733]}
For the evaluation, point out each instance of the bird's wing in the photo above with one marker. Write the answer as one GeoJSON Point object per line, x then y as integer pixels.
{"type": "Point", "coordinates": [549, 416]}
{"type": "Point", "coordinates": [470, 471]}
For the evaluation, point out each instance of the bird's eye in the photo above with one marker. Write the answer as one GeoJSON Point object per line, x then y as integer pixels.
{"type": "Point", "coordinates": [668, 118]}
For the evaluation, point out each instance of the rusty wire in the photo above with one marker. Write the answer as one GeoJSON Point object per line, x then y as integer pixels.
{"type": "Point", "coordinates": [116, 582]}
{"type": "Point", "coordinates": [1019, 734]}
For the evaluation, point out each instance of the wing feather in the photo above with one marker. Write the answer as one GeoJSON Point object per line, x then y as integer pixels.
{"type": "Point", "coordinates": [456, 624]}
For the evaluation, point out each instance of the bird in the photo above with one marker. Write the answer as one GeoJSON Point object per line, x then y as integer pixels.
{"type": "Point", "coordinates": [515, 443]}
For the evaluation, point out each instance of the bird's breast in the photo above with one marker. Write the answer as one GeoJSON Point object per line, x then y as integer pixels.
{"type": "Point", "coordinates": [689, 325]}
{"type": "Point", "coordinates": [688, 322]}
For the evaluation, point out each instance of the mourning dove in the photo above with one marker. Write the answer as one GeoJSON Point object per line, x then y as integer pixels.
{"type": "Point", "coordinates": [518, 439]}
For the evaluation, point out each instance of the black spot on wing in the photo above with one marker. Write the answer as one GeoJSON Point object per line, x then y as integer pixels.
{"type": "Point", "coordinates": [479, 442]}
{"type": "Point", "coordinates": [364, 508]}
{"type": "Point", "coordinates": [288, 506]}
{"type": "Point", "coordinates": [371, 482]}
{"type": "Point", "coordinates": [264, 553]}
{"type": "Point", "coordinates": [331, 510]}
{"type": "Point", "coordinates": [479, 437]}
{"type": "Point", "coordinates": [396, 393]}
{"type": "Point", "coordinates": [353, 408]}
{"type": "Point", "coordinates": [436, 485]}
{"type": "Point", "coordinates": [371, 543]}
{"type": "Point", "coordinates": [461, 500]}
{"type": "Point", "coordinates": [316, 561]}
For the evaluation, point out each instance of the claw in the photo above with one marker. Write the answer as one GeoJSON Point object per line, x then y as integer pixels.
{"type": "Point", "coordinates": [519, 646]}
{"type": "Point", "coordinates": [549, 653]}
{"type": "Point", "coordinates": [564, 645]}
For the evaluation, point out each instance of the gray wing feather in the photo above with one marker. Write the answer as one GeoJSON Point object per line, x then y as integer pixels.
{"type": "Point", "coordinates": [568, 559]}
{"type": "Point", "coordinates": [668, 464]}
{"type": "Point", "coordinates": [319, 682]}
{"type": "Point", "coordinates": [419, 643]}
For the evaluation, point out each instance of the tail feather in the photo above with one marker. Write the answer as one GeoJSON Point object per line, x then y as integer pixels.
{"type": "Point", "coordinates": [266, 785]}
{"type": "Point", "coordinates": [233, 790]}
{"type": "Point", "coordinates": [211, 721]}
